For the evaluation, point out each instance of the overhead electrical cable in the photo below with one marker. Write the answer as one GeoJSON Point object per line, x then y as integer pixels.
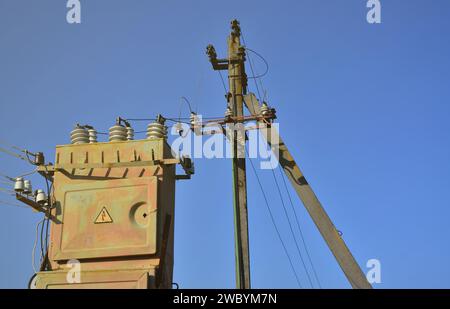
{"type": "Point", "coordinates": [12, 204]}
{"type": "Point", "coordinates": [273, 173]}
{"type": "Point", "coordinates": [292, 229]}
{"type": "Point", "coordinates": [275, 225]}
{"type": "Point", "coordinates": [300, 230]}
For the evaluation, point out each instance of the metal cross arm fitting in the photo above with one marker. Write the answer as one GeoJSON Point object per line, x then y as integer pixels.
{"type": "Point", "coordinates": [218, 64]}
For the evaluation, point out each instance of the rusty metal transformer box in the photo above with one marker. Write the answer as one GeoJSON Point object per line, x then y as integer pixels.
{"type": "Point", "coordinates": [113, 212]}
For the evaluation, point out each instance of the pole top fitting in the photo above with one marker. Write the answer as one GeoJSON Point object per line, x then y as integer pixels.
{"type": "Point", "coordinates": [120, 121]}
{"type": "Point", "coordinates": [236, 29]}
{"type": "Point", "coordinates": [211, 52]}
{"type": "Point", "coordinates": [160, 119]}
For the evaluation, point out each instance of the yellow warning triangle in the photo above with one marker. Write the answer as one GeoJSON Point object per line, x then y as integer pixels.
{"type": "Point", "coordinates": [103, 217]}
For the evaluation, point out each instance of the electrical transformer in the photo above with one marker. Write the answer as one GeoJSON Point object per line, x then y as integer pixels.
{"type": "Point", "coordinates": [112, 214]}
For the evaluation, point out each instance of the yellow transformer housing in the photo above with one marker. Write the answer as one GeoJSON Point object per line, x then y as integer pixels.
{"type": "Point", "coordinates": [112, 216]}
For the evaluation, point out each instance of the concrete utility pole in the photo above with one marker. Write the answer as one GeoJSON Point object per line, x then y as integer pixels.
{"type": "Point", "coordinates": [236, 98]}
{"type": "Point", "coordinates": [237, 81]}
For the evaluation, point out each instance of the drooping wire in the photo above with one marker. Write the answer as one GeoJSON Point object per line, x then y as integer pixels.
{"type": "Point", "coordinates": [257, 78]}
{"type": "Point", "coordinates": [253, 71]}
{"type": "Point", "coordinates": [300, 230]}
{"type": "Point", "coordinates": [33, 251]}
{"type": "Point", "coordinates": [42, 238]}
{"type": "Point", "coordinates": [184, 99]}
{"type": "Point", "coordinates": [274, 223]}
{"type": "Point", "coordinates": [262, 58]}
{"type": "Point", "coordinates": [47, 218]}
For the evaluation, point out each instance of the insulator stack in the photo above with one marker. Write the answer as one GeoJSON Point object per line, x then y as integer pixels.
{"type": "Point", "coordinates": [193, 119]}
{"type": "Point", "coordinates": [130, 134]}
{"type": "Point", "coordinates": [228, 113]}
{"type": "Point", "coordinates": [27, 188]}
{"type": "Point", "coordinates": [117, 133]}
{"type": "Point", "coordinates": [41, 197]}
{"type": "Point", "coordinates": [179, 128]}
{"type": "Point", "coordinates": [39, 158]}
{"type": "Point", "coordinates": [79, 135]}
{"type": "Point", "coordinates": [156, 130]}
{"type": "Point", "coordinates": [19, 185]}
{"type": "Point", "coordinates": [265, 109]}
{"type": "Point", "coordinates": [92, 136]}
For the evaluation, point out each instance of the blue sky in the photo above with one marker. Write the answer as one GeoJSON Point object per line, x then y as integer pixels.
{"type": "Point", "coordinates": [363, 108]}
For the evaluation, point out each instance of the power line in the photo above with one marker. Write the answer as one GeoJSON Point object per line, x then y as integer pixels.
{"type": "Point", "coordinates": [47, 216]}
{"type": "Point", "coordinates": [15, 155]}
{"type": "Point", "coordinates": [273, 173]}
{"type": "Point", "coordinates": [6, 182]}
{"type": "Point", "coordinates": [7, 177]}
{"type": "Point", "coordinates": [11, 204]}
{"type": "Point", "coordinates": [6, 190]}
{"type": "Point", "coordinates": [6, 144]}
{"type": "Point", "coordinates": [291, 229]}
{"type": "Point", "coordinates": [251, 68]}
{"type": "Point", "coordinates": [28, 173]}
{"type": "Point", "coordinates": [223, 82]}
{"type": "Point", "coordinates": [262, 58]}
{"type": "Point", "coordinates": [274, 224]}
{"type": "Point", "coordinates": [300, 230]}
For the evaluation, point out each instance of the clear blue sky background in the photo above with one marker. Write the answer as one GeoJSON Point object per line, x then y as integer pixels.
{"type": "Point", "coordinates": [364, 109]}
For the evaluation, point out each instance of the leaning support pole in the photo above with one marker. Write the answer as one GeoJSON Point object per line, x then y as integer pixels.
{"type": "Point", "coordinates": [323, 222]}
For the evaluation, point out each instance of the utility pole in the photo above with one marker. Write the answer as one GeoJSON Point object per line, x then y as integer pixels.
{"type": "Point", "coordinates": [236, 98]}
{"type": "Point", "coordinates": [237, 81]}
